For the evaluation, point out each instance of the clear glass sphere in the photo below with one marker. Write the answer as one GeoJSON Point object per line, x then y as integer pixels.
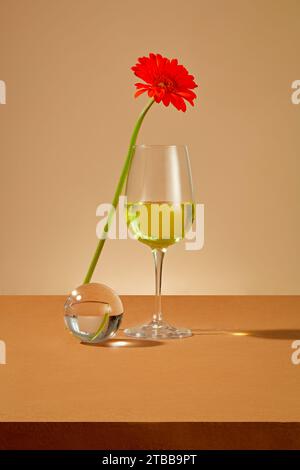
{"type": "Point", "coordinates": [93, 312]}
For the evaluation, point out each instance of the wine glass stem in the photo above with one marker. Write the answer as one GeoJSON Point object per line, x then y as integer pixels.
{"type": "Point", "coordinates": [158, 255]}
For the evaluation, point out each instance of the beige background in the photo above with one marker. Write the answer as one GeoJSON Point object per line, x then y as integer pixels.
{"type": "Point", "coordinates": [69, 114]}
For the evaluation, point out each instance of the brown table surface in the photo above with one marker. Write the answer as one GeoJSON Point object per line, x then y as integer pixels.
{"type": "Point", "coordinates": [232, 380]}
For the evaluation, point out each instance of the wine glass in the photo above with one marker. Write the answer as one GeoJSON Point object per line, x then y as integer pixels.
{"type": "Point", "coordinates": [159, 212]}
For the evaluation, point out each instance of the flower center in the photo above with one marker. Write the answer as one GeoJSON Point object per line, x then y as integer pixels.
{"type": "Point", "coordinates": [166, 83]}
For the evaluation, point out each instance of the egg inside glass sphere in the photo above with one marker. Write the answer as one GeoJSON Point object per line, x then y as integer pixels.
{"type": "Point", "coordinates": [93, 312]}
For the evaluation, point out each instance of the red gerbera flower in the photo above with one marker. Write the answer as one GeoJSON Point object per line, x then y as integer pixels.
{"type": "Point", "coordinates": [166, 81]}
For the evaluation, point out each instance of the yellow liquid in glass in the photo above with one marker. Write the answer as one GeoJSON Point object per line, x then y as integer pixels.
{"type": "Point", "coordinates": [159, 224]}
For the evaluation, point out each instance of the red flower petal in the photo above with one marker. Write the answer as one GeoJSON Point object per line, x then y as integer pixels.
{"type": "Point", "coordinates": [178, 102]}
{"type": "Point", "coordinates": [139, 92]}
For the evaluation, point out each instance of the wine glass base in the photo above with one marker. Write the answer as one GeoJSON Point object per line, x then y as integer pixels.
{"type": "Point", "coordinates": [157, 330]}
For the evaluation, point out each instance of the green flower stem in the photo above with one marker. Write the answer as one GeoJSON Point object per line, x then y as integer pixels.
{"type": "Point", "coordinates": [101, 327]}
{"type": "Point", "coordinates": [118, 192]}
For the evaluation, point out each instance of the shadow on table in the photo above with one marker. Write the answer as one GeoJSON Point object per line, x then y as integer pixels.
{"type": "Point", "coordinates": [125, 343]}
{"type": "Point", "coordinates": [266, 334]}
